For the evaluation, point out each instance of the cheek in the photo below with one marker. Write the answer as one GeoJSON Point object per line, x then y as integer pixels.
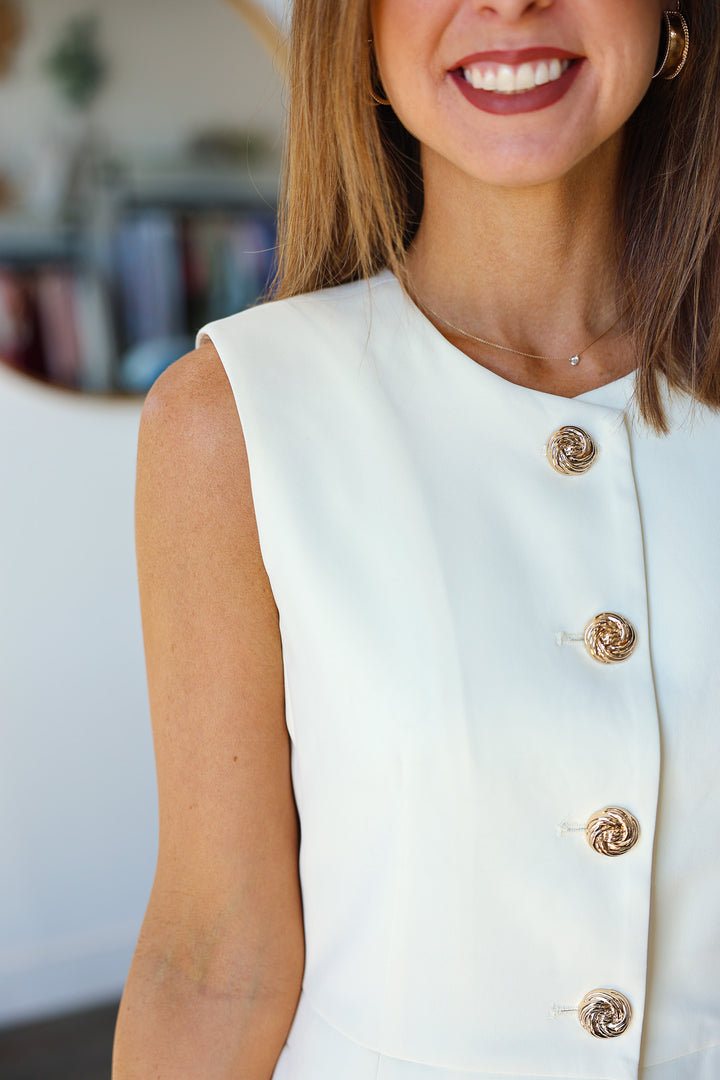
{"type": "Point", "coordinates": [629, 59]}
{"type": "Point", "coordinates": [405, 33]}
{"type": "Point", "coordinates": [642, 33]}
{"type": "Point", "coordinates": [390, 21]}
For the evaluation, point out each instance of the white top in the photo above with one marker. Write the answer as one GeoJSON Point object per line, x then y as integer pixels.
{"type": "Point", "coordinates": [452, 735]}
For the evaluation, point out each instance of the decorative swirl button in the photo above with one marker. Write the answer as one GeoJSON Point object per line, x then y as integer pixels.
{"type": "Point", "coordinates": [605, 1013]}
{"type": "Point", "coordinates": [612, 831]}
{"type": "Point", "coordinates": [571, 450]}
{"type": "Point", "coordinates": [609, 638]}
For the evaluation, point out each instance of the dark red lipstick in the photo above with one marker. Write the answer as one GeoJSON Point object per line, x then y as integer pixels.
{"type": "Point", "coordinates": [541, 97]}
{"type": "Point", "coordinates": [517, 56]}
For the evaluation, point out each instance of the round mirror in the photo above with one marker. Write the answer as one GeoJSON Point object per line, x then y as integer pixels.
{"type": "Point", "coordinates": [140, 181]}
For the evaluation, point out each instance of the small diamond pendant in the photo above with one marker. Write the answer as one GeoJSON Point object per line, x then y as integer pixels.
{"type": "Point", "coordinates": [575, 360]}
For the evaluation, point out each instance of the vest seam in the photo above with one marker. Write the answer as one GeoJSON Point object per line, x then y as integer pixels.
{"type": "Point", "coordinates": [432, 1065]}
{"type": "Point", "coordinates": [679, 1057]}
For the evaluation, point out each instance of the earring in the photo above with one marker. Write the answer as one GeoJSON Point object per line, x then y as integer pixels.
{"type": "Point", "coordinates": [677, 46]}
{"type": "Point", "coordinates": [378, 100]}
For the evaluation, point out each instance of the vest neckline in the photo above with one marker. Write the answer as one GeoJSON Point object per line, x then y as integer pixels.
{"type": "Point", "coordinates": [615, 394]}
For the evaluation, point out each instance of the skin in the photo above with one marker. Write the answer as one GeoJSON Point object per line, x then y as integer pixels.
{"type": "Point", "coordinates": [517, 239]}
{"type": "Point", "coordinates": [216, 976]}
{"type": "Point", "coordinates": [516, 244]}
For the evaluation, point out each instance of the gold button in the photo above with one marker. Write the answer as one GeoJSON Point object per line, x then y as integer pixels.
{"type": "Point", "coordinates": [612, 831]}
{"type": "Point", "coordinates": [609, 638]}
{"type": "Point", "coordinates": [605, 1013]}
{"type": "Point", "coordinates": [571, 450]}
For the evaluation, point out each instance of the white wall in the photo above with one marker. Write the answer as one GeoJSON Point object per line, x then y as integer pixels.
{"type": "Point", "coordinates": [77, 791]}
{"type": "Point", "coordinates": [77, 797]}
{"type": "Point", "coordinates": [176, 66]}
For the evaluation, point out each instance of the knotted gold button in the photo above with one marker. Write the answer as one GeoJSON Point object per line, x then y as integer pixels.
{"type": "Point", "coordinates": [571, 450]}
{"type": "Point", "coordinates": [609, 638]}
{"type": "Point", "coordinates": [605, 1013]}
{"type": "Point", "coordinates": [612, 831]}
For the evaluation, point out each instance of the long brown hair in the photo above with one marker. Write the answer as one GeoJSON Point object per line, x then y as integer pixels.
{"type": "Point", "coordinates": [352, 192]}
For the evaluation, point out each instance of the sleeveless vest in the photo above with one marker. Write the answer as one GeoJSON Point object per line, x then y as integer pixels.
{"type": "Point", "coordinates": [499, 615]}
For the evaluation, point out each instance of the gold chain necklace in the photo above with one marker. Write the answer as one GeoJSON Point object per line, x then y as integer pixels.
{"type": "Point", "coordinates": [574, 359]}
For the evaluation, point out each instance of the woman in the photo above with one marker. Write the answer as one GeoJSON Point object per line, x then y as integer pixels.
{"type": "Point", "coordinates": [475, 578]}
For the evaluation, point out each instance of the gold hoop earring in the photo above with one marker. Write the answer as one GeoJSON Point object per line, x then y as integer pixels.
{"type": "Point", "coordinates": [677, 46]}
{"type": "Point", "coordinates": [376, 98]}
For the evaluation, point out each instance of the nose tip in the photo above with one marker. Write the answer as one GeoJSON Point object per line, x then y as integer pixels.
{"type": "Point", "coordinates": [511, 10]}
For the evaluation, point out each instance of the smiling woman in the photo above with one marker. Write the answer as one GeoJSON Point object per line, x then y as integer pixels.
{"type": "Point", "coordinates": [424, 62]}
{"type": "Point", "coordinates": [440, 610]}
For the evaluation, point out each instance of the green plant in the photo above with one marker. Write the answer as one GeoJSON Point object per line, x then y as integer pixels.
{"type": "Point", "coordinates": [76, 63]}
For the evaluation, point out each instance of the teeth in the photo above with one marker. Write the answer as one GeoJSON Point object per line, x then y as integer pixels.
{"type": "Point", "coordinates": [507, 79]}
{"type": "Point", "coordinates": [524, 77]}
{"type": "Point", "coordinates": [555, 70]}
{"type": "Point", "coordinates": [542, 74]}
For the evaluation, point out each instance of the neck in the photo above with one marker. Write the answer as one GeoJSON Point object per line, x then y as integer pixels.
{"type": "Point", "coordinates": [529, 268]}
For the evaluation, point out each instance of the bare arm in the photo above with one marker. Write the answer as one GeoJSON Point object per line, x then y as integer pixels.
{"type": "Point", "coordinates": [216, 976]}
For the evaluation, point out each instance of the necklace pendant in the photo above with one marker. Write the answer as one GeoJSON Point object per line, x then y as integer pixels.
{"type": "Point", "coordinates": [575, 360]}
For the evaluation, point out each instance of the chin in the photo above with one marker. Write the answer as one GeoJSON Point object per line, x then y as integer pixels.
{"type": "Point", "coordinates": [521, 170]}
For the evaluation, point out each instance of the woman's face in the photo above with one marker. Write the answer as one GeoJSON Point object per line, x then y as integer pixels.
{"type": "Point", "coordinates": [515, 93]}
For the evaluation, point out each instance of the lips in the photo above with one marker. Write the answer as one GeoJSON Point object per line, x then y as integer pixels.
{"type": "Point", "coordinates": [516, 81]}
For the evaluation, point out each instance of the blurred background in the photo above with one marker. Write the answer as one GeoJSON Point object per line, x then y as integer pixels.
{"type": "Point", "coordinates": [139, 158]}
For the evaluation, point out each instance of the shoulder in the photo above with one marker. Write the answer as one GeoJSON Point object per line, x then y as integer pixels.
{"type": "Point", "coordinates": [192, 399]}
{"type": "Point", "coordinates": [190, 412]}
{"type": "Point", "coordinates": [192, 461]}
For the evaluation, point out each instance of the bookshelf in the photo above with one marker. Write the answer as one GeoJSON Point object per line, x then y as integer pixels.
{"type": "Point", "coordinates": [103, 302]}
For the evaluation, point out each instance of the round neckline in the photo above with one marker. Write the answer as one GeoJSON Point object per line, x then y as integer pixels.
{"type": "Point", "coordinates": [615, 394]}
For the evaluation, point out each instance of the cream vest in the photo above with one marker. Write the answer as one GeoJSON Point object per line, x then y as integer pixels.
{"type": "Point", "coordinates": [437, 567]}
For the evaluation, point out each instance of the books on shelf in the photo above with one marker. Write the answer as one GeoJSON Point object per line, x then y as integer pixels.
{"type": "Point", "coordinates": [96, 332]}
{"type": "Point", "coordinates": [56, 322]}
{"type": "Point", "coordinates": [228, 264]}
{"type": "Point", "coordinates": [20, 343]}
{"type": "Point", "coordinates": [59, 331]}
{"type": "Point", "coordinates": [168, 272]}
{"type": "Point", "coordinates": [149, 277]}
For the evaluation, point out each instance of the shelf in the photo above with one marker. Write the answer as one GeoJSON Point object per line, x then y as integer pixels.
{"type": "Point", "coordinates": [106, 304]}
{"type": "Point", "coordinates": [167, 184]}
{"type": "Point", "coordinates": [30, 240]}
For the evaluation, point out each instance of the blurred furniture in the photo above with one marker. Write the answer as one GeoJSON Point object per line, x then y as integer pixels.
{"type": "Point", "coordinates": [106, 299]}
